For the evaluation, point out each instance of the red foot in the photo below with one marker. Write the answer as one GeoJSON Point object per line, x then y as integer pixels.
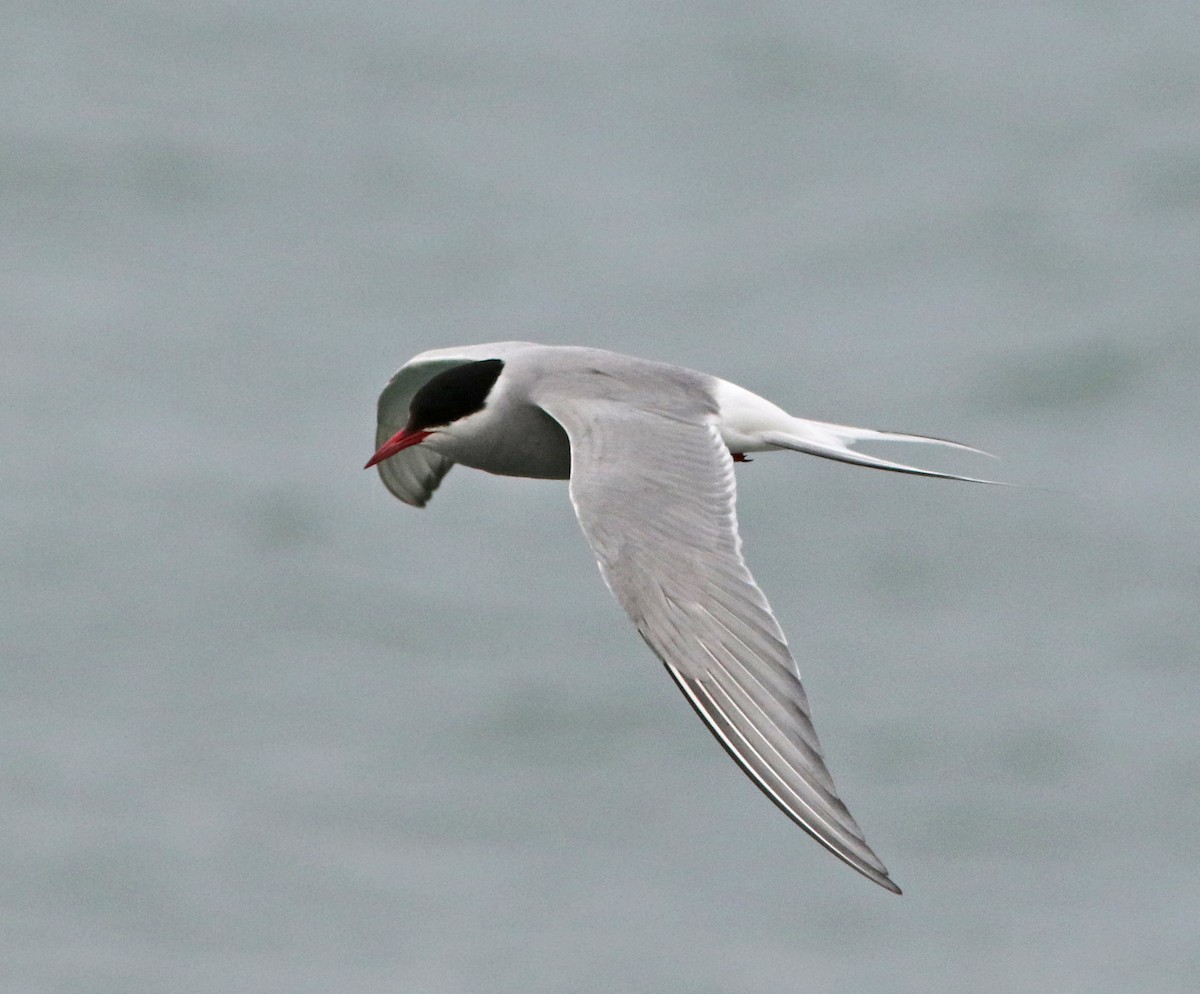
{"type": "Point", "coordinates": [741, 457]}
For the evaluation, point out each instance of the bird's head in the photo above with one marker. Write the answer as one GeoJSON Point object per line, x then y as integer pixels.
{"type": "Point", "coordinates": [446, 399]}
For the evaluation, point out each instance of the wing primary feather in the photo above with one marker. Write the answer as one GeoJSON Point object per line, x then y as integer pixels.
{"type": "Point", "coordinates": [712, 718]}
{"type": "Point", "coordinates": [811, 752]}
{"type": "Point", "coordinates": [766, 768]}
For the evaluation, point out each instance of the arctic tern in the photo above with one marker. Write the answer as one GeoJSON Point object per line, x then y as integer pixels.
{"type": "Point", "coordinates": [649, 449]}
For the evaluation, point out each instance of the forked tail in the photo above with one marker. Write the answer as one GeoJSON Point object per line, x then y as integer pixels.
{"type": "Point", "coordinates": [830, 441]}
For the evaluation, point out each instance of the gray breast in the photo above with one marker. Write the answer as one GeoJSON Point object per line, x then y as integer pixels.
{"type": "Point", "coordinates": [528, 443]}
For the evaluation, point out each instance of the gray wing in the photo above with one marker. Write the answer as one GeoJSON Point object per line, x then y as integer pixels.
{"type": "Point", "coordinates": [414, 474]}
{"type": "Point", "coordinates": [654, 493]}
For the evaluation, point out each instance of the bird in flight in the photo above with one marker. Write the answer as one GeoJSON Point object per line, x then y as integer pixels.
{"type": "Point", "coordinates": [649, 450]}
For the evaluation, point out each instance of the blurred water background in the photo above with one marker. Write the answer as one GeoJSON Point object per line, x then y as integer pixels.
{"type": "Point", "coordinates": [264, 729]}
